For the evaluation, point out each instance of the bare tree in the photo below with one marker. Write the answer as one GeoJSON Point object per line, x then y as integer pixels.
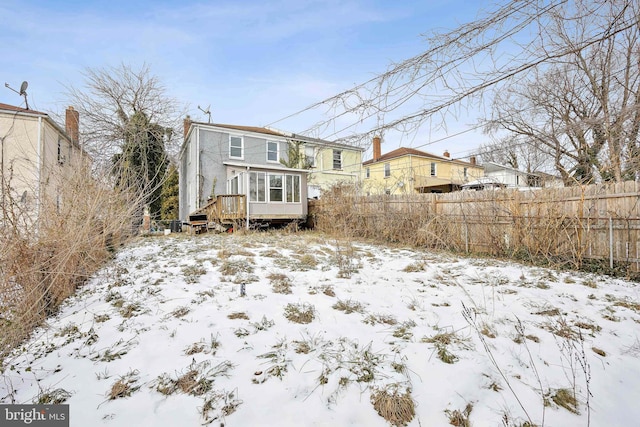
{"type": "Point", "coordinates": [517, 152]}
{"type": "Point", "coordinates": [129, 125]}
{"type": "Point", "coordinates": [462, 69]}
{"type": "Point", "coordinates": [111, 97]}
{"type": "Point", "coordinates": [583, 107]}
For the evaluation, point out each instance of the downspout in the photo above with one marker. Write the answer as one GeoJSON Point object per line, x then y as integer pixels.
{"type": "Point", "coordinates": [198, 159]}
{"type": "Point", "coordinates": [39, 172]}
{"type": "Point", "coordinates": [246, 196]}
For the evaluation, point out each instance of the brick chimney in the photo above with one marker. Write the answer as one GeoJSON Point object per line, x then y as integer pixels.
{"type": "Point", "coordinates": [72, 124]}
{"type": "Point", "coordinates": [472, 160]}
{"type": "Point", "coordinates": [187, 125]}
{"type": "Point", "coordinates": [376, 148]}
{"type": "Point", "coordinates": [446, 154]}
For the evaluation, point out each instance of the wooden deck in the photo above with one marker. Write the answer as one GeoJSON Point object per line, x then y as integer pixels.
{"type": "Point", "coordinates": [225, 209]}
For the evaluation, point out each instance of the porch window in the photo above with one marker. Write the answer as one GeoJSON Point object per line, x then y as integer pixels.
{"type": "Point", "coordinates": [257, 187]}
{"type": "Point", "coordinates": [235, 147]}
{"type": "Point", "coordinates": [337, 159]}
{"type": "Point", "coordinates": [293, 188]}
{"type": "Point", "coordinates": [272, 151]}
{"type": "Point", "coordinates": [275, 188]}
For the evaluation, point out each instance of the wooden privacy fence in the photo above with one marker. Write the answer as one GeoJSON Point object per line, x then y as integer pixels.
{"type": "Point", "coordinates": [594, 224]}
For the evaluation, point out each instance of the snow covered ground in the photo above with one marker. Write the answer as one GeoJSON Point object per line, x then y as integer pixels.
{"type": "Point", "coordinates": [163, 336]}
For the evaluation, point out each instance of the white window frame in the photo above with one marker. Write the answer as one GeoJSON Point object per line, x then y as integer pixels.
{"type": "Point", "coordinates": [310, 159]}
{"type": "Point", "coordinates": [281, 188]}
{"type": "Point", "coordinates": [239, 178]}
{"type": "Point", "coordinates": [434, 169]}
{"type": "Point", "coordinates": [367, 173]}
{"type": "Point", "coordinates": [254, 187]}
{"type": "Point", "coordinates": [387, 170]}
{"type": "Point", "coordinates": [277, 152]}
{"type": "Point", "coordinates": [231, 156]}
{"type": "Point", "coordinates": [339, 153]}
{"type": "Point", "coordinates": [292, 188]}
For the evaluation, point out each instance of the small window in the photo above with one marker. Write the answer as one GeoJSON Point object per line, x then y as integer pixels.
{"type": "Point", "coordinates": [60, 155]}
{"type": "Point", "coordinates": [275, 188]}
{"type": "Point", "coordinates": [433, 169]}
{"type": "Point", "coordinates": [464, 172]}
{"type": "Point", "coordinates": [310, 156]}
{"type": "Point", "coordinates": [235, 147]}
{"type": "Point", "coordinates": [387, 170]}
{"type": "Point", "coordinates": [272, 151]}
{"type": "Point", "coordinates": [368, 173]}
{"type": "Point", "coordinates": [337, 159]}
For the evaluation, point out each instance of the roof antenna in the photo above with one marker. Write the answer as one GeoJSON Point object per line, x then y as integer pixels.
{"type": "Point", "coordinates": [23, 91]}
{"type": "Point", "coordinates": [207, 112]}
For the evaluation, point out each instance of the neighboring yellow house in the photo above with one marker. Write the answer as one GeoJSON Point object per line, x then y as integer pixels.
{"type": "Point", "coordinates": [407, 170]}
{"type": "Point", "coordinates": [330, 163]}
{"type": "Point", "coordinates": [36, 156]}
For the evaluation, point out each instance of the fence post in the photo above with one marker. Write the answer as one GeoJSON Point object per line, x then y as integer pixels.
{"type": "Point", "coordinates": [611, 243]}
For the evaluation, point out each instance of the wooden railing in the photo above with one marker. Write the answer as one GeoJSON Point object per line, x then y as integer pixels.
{"type": "Point", "coordinates": [229, 207]}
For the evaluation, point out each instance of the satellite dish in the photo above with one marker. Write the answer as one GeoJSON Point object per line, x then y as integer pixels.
{"type": "Point", "coordinates": [23, 91]}
{"type": "Point", "coordinates": [207, 111]}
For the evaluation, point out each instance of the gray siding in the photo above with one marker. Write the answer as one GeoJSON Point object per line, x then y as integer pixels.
{"type": "Point", "coordinates": [203, 173]}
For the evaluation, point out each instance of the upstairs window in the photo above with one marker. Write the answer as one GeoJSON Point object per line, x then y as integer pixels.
{"type": "Point", "coordinates": [368, 173]}
{"type": "Point", "coordinates": [235, 147]}
{"type": "Point", "coordinates": [273, 151]}
{"type": "Point", "coordinates": [337, 159]}
{"type": "Point", "coordinates": [387, 170]}
{"type": "Point", "coordinates": [60, 155]}
{"type": "Point", "coordinates": [310, 156]}
{"type": "Point", "coordinates": [465, 173]}
{"type": "Point", "coordinates": [433, 169]}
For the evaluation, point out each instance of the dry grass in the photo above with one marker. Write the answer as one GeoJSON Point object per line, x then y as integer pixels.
{"type": "Point", "coordinates": [238, 315]}
{"type": "Point", "coordinates": [39, 271]}
{"type": "Point", "coordinates": [463, 222]}
{"type": "Point", "coordinates": [460, 418]}
{"type": "Point", "coordinates": [394, 406]}
{"type": "Point", "coordinates": [280, 283]}
{"type": "Point", "coordinates": [566, 399]}
{"type": "Point", "coordinates": [300, 313]}
{"type": "Point", "coordinates": [124, 387]}
{"type": "Point", "coordinates": [349, 306]}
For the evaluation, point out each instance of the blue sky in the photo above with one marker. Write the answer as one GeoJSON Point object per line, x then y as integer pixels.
{"type": "Point", "coordinates": [253, 62]}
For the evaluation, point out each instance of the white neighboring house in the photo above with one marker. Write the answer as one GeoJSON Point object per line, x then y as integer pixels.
{"type": "Point", "coordinates": [501, 176]}
{"type": "Point", "coordinates": [510, 177]}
